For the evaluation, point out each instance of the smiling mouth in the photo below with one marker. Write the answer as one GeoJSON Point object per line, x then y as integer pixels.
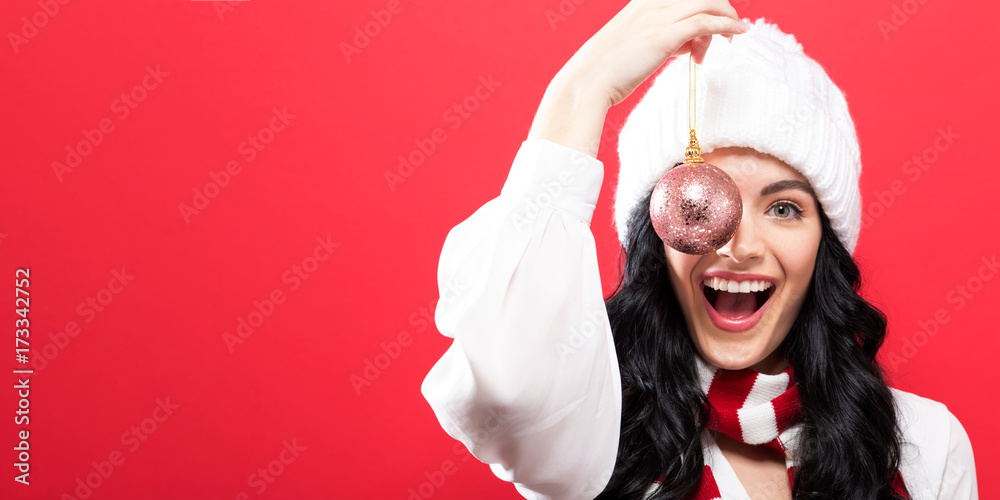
{"type": "Point", "coordinates": [735, 304]}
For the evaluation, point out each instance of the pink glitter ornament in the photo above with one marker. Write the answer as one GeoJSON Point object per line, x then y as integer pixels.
{"type": "Point", "coordinates": [696, 208]}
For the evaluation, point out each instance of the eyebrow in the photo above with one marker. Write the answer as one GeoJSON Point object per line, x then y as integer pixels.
{"type": "Point", "coordinates": [776, 187]}
{"type": "Point", "coordinates": [779, 186]}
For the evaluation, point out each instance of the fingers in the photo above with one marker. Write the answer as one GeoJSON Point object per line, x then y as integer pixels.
{"type": "Point", "coordinates": [706, 25]}
{"type": "Point", "coordinates": [684, 10]}
{"type": "Point", "coordinates": [699, 46]}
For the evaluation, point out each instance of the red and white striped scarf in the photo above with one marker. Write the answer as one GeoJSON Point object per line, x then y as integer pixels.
{"type": "Point", "coordinates": [754, 408]}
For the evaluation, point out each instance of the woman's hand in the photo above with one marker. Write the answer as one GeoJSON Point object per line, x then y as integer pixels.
{"type": "Point", "coordinates": [619, 57]}
{"type": "Point", "coordinates": [640, 38]}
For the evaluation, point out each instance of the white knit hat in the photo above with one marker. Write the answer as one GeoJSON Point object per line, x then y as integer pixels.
{"type": "Point", "coordinates": [762, 92]}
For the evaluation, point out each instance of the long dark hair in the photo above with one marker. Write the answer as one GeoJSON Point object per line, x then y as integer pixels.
{"type": "Point", "coordinates": [850, 441]}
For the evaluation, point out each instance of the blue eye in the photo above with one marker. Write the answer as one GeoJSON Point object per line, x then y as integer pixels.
{"type": "Point", "coordinates": [785, 210]}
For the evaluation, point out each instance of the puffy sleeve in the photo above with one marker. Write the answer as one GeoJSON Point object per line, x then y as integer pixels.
{"type": "Point", "coordinates": [530, 383]}
{"type": "Point", "coordinates": [959, 479]}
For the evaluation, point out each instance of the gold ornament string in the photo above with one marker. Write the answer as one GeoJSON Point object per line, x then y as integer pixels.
{"type": "Point", "coordinates": [693, 152]}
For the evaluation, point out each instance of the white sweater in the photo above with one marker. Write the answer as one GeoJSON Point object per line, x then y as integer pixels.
{"type": "Point", "coordinates": [531, 383]}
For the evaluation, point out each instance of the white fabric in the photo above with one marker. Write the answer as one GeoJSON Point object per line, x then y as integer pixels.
{"type": "Point", "coordinates": [757, 419]}
{"type": "Point", "coordinates": [758, 423]}
{"type": "Point", "coordinates": [531, 383]}
{"type": "Point", "coordinates": [760, 91]}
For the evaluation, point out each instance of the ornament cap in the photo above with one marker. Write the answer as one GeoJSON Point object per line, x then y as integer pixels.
{"type": "Point", "coordinates": [693, 152]}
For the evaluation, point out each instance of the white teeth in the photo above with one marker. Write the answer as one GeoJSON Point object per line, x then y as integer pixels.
{"type": "Point", "coordinates": [733, 286]}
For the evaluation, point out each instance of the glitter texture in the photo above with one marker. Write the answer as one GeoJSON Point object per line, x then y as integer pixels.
{"type": "Point", "coordinates": [696, 208]}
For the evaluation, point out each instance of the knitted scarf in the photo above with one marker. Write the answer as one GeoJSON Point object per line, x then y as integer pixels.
{"type": "Point", "coordinates": [755, 408]}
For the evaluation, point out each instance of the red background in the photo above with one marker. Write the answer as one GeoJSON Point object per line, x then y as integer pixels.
{"type": "Point", "coordinates": [229, 65]}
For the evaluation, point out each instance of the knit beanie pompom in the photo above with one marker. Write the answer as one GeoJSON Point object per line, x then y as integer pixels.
{"type": "Point", "coordinates": [761, 91]}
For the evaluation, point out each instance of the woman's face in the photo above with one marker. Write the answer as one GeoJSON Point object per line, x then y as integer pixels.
{"type": "Point", "coordinates": [740, 301]}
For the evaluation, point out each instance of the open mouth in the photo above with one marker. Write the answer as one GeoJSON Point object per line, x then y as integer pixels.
{"type": "Point", "coordinates": [734, 301]}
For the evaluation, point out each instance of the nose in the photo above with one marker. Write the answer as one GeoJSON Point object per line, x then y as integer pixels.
{"type": "Point", "coordinates": [746, 244]}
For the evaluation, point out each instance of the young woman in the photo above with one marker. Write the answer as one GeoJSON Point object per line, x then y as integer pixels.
{"type": "Point", "coordinates": [747, 372]}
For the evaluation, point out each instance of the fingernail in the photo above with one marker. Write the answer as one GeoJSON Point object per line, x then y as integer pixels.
{"type": "Point", "coordinates": [745, 26]}
{"type": "Point", "coordinates": [729, 38]}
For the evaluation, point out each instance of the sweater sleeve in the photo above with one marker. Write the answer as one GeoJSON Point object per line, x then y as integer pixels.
{"type": "Point", "coordinates": [959, 479]}
{"type": "Point", "coordinates": [530, 383]}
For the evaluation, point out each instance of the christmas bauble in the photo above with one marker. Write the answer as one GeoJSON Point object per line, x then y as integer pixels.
{"type": "Point", "coordinates": [696, 208]}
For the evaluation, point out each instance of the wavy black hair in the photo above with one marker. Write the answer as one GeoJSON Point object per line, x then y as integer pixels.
{"type": "Point", "coordinates": [850, 440]}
